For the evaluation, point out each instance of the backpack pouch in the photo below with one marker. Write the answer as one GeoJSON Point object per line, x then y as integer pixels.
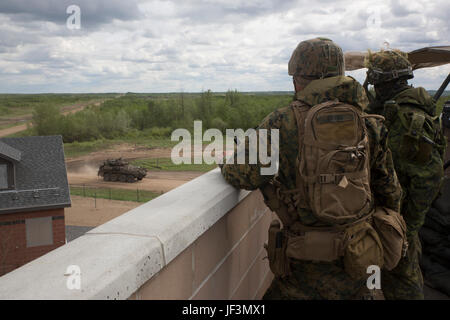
{"type": "Point", "coordinates": [363, 249]}
{"type": "Point", "coordinates": [315, 246]}
{"type": "Point", "coordinates": [391, 228]}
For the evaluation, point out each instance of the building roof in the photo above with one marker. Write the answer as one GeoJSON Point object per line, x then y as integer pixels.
{"type": "Point", "coordinates": [40, 174]}
{"type": "Point", "coordinates": [9, 152]}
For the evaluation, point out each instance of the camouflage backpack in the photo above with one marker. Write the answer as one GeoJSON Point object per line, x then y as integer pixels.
{"type": "Point", "coordinates": [333, 180]}
{"type": "Point", "coordinates": [334, 161]}
{"type": "Point", "coordinates": [334, 173]}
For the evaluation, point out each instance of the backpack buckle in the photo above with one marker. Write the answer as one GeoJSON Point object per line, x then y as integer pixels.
{"type": "Point", "coordinates": [329, 178]}
{"type": "Point", "coordinates": [324, 178]}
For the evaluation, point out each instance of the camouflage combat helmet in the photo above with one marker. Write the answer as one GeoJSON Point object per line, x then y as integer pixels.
{"type": "Point", "coordinates": [388, 65]}
{"type": "Point", "coordinates": [316, 59]}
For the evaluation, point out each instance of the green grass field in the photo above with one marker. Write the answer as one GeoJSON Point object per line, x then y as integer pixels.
{"type": "Point", "coordinates": [440, 104]}
{"type": "Point", "coordinates": [166, 164]}
{"type": "Point", "coordinates": [77, 149]}
{"type": "Point", "coordinates": [113, 194]}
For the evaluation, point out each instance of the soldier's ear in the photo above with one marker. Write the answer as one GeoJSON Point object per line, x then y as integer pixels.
{"type": "Point", "coordinates": [297, 86]}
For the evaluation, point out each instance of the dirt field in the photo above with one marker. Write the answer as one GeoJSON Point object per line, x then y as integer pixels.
{"type": "Point", "coordinates": [161, 181]}
{"type": "Point", "coordinates": [83, 170]}
{"type": "Point", "coordinates": [88, 212]}
{"type": "Point", "coordinates": [91, 212]}
{"type": "Point", "coordinates": [124, 150]}
{"type": "Point", "coordinates": [12, 130]}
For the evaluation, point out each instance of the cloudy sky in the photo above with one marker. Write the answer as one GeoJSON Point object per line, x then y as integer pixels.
{"type": "Point", "coordinates": [194, 45]}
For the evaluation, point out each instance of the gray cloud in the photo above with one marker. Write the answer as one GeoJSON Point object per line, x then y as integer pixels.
{"type": "Point", "coordinates": [166, 45]}
{"type": "Point", "coordinates": [93, 13]}
{"type": "Point", "coordinates": [400, 9]}
{"type": "Point", "coordinates": [206, 11]}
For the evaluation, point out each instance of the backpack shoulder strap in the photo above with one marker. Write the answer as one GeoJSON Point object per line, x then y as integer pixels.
{"type": "Point", "coordinates": [300, 110]}
{"type": "Point", "coordinates": [277, 198]}
{"type": "Point", "coordinates": [374, 116]}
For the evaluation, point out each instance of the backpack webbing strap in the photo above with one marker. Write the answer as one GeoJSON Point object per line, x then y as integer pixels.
{"type": "Point", "coordinates": [299, 228]}
{"type": "Point", "coordinates": [300, 109]}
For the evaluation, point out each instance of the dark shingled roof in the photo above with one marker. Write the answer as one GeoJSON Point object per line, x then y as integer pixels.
{"type": "Point", "coordinates": [41, 177]}
{"type": "Point", "coordinates": [9, 152]}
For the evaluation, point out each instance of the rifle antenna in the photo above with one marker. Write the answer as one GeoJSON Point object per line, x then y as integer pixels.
{"type": "Point", "coordinates": [442, 88]}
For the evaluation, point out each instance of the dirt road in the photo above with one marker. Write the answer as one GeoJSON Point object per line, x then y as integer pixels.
{"type": "Point", "coordinates": [124, 150]}
{"type": "Point", "coordinates": [83, 170]}
{"type": "Point", "coordinates": [90, 212]}
{"type": "Point", "coordinates": [156, 181]}
{"type": "Point", "coordinates": [12, 130]}
{"type": "Point", "coordinates": [26, 118]}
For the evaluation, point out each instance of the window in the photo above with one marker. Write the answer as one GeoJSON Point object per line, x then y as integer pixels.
{"type": "Point", "coordinates": [4, 176]}
{"type": "Point", "coordinates": [39, 231]}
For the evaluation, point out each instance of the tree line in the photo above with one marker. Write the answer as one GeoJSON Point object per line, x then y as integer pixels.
{"type": "Point", "coordinates": [157, 116]}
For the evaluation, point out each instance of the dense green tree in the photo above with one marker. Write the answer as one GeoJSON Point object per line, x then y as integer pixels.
{"type": "Point", "coordinates": [158, 115]}
{"type": "Point", "coordinates": [46, 120]}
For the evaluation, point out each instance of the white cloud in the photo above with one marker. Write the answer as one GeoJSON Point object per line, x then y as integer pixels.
{"type": "Point", "coordinates": [160, 46]}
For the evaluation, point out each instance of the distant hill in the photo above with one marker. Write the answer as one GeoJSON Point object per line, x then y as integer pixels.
{"type": "Point", "coordinates": [432, 92]}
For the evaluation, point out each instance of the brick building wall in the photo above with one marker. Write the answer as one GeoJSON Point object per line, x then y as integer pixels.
{"type": "Point", "coordinates": [14, 250]}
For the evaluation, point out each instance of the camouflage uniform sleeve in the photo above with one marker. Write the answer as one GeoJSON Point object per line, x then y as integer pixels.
{"type": "Point", "coordinates": [384, 181]}
{"type": "Point", "coordinates": [375, 107]}
{"type": "Point", "coordinates": [252, 176]}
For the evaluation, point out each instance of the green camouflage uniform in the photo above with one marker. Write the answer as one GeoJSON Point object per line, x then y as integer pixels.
{"type": "Point", "coordinates": [446, 127]}
{"type": "Point", "coordinates": [319, 280]}
{"type": "Point", "coordinates": [420, 182]}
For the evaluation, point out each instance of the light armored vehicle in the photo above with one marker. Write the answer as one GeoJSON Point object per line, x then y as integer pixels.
{"type": "Point", "coordinates": [120, 170]}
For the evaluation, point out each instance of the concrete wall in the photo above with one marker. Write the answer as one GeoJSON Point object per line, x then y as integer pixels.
{"type": "Point", "coordinates": [203, 240]}
{"type": "Point", "coordinates": [225, 262]}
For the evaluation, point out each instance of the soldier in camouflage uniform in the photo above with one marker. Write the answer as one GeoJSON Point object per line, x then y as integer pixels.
{"type": "Point", "coordinates": [446, 126]}
{"type": "Point", "coordinates": [317, 68]}
{"type": "Point", "coordinates": [418, 161]}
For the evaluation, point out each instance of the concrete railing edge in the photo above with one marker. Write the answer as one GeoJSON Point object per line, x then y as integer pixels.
{"type": "Point", "coordinates": [113, 260]}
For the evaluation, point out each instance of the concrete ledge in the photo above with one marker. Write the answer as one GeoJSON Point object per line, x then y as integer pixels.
{"type": "Point", "coordinates": [112, 267]}
{"type": "Point", "coordinates": [118, 257]}
{"type": "Point", "coordinates": [180, 216]}
{"type": "Point", "coordinates": [225, 262]}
